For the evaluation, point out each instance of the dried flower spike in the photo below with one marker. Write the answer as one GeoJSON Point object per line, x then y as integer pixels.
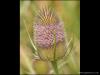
{"type": "Point", "coordinates": [48, 31]}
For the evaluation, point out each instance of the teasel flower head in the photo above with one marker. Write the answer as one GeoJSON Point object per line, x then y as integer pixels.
{"type": "Point", "coordinates": [49, 34]}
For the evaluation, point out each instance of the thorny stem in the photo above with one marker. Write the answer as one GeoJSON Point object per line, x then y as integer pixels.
{"type": "Point", "coordinates": [54, 62]}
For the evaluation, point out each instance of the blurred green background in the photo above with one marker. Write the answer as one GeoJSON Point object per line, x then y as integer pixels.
{"type": "Point", "coordinates": [69, 12]}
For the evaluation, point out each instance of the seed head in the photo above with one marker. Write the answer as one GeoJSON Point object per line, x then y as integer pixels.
{"type": "Point", "coordinates": [46, 25]}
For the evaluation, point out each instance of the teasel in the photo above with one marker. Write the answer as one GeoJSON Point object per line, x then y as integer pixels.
{"type": "Point", "coordinates": [49, 35]}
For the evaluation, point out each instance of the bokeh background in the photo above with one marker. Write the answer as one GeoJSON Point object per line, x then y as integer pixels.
{"type": "Point", "coordinates": [69, 12]}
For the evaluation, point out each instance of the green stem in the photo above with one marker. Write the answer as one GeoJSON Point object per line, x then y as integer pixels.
{"type": "Point", "coordinates": [55, 67]}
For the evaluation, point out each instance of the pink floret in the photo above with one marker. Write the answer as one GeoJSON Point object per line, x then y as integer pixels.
{"type": "Point", "coordinates": [44, 35]}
